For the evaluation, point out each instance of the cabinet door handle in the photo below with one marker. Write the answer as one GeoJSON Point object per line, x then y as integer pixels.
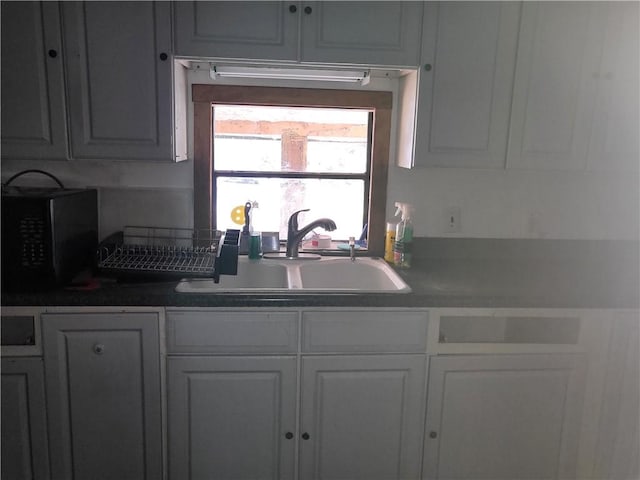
{"type": "Point", "coordinates": [305, 436]}
{"type": "Point", "coordinates": [163, 56]}
{"type": "Point", "coordinates": [308, 10]}
{"type": "Point", "coordinates": [293, 8]}
{"type": "Point", "coordinates": [288, 435]}
{"type": "Point", "coordinates": [428, 67]}
{"type": "Point", "coordinates": [98, 349]}
{"type": "Point", "coordinates": [53, 53]}
{"type": "Point", "coordinates": [433, 434]}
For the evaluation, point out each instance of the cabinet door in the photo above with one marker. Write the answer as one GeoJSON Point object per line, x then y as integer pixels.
{"type": "Point", "coordinates": [555, 85]}
{"type": "Point", "coordinates": [24, 433]}
{"type": "Point", "coordinates": [260, 30]}
{"type": "Point", "coordinates": [615, 140]}
{"type": "Point", "coordinates": [231, 418]}
{"type": "Point", "coordinates": [119, 86]}
{"type": "Point", "coordinates": [503, 417]}
{"type": "Point", "coordinates": [619, 434]}
{"type": "Point", "coordinates": [361, 417]}
{"type": "Point", "coordinates": [465, 83]}
{"type": "Point", "coordinates": [33, 108]}
{"type": "Point", "coordinates": [103, 393]}
{"type": "Point", "coordinates": [375, 33]}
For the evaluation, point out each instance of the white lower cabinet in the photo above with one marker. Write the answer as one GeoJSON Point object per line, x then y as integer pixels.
{"type": "Point", "coordinates": [232, 418]}
{"type": "Point", "coordinates": [235, 417]}
{"type": "Point", "coordinates": [361, 417]}
{"type": "Point", "coordinates": [103, 395]}
{"type": "Point", "coordinates": [325, 393]}
{"type": "Point", "coordinates": [243, 404]}
{"type": "Point", "coordinates": [503, 416]}
{"type": "Point", "coordinates": [25, 454]}
{"type": "Point", "coordinates": [618, 440]}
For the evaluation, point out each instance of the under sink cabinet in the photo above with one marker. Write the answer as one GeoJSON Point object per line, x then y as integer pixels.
{"type": "Point", "coordinates": [342, 403]}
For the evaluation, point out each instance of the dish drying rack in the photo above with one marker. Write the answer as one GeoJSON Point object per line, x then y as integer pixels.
{"type": "Point", "coordinates": [170, 253]}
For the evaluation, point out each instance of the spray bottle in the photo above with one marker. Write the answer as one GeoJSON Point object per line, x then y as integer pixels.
{"type": "Point", "coordinates": [404, 236]}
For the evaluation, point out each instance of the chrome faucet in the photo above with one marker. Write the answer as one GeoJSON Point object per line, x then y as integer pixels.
{"type": "Point", "coordinates": [295, 236]}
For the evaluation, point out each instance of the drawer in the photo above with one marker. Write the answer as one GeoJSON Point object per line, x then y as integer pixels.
{"type": "Point", "coordinates": [220, 331]}
{"type": "Point", "coordinates": [20, 332]}
{"type": "Point", "coordinates": [523, 330]}
{"type": "Point", "coordinates": [350, 331]}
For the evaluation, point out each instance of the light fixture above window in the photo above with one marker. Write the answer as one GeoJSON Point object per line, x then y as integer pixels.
{"type": "Point", "coordinates": [280, 73]}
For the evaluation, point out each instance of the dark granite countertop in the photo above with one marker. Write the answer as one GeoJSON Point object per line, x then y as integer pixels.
{"type": "Point", "coordinates": [450, 273]}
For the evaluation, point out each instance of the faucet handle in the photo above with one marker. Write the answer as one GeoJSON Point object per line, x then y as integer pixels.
{"type": "Point", "coordinates": [352, 248]}
{"type": "Point", "coordinates": [293, 219]}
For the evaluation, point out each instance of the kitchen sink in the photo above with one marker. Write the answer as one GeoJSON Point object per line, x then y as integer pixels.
{"type": "Point", "coordinates": [326, 275]}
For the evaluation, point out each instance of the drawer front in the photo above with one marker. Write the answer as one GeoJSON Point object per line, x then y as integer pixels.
{"type": "Point", "coordinates": [364, 331]}
{"type": "Point", "coordinates": [232, 332]}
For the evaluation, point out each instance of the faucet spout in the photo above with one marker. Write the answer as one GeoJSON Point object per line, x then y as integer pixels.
{"type": "Point", "coordinates": [295, 235]}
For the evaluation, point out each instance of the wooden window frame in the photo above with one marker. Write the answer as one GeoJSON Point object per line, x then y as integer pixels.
{"type": "Point", "coordinates": [380, 103]}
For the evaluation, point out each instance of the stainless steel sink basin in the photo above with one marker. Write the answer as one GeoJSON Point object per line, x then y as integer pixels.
{"type": "Point", "coordinates": [326, 275]}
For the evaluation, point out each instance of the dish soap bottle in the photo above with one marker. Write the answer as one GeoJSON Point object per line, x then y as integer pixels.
{"type": "Point", "coordinates": [390, 240]}
{"type": "Point", "coordinates": [404, 236]}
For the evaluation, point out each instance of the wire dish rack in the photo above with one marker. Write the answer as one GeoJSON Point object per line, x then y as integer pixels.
{"type": "Point", "coordinates": [165, 252]}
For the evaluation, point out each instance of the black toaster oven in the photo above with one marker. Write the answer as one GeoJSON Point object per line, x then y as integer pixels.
{"type": "Point", "coordinates": [48, 236]}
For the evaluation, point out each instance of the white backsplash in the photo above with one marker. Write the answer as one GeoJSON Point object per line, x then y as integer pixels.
{"type": "Point", "coordinates": [493, 203]}
{"type": "Point", "coordinates": [520, 203]}
{"type": "Point", "coordinates": [157, 207]}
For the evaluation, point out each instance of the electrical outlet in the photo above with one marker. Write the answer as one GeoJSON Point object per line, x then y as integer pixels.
{"type": "Point", "coordinates": [452, 220]}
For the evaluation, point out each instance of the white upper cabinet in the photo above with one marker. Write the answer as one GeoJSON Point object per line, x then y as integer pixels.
{"type": "Point", "coordinates": [615, 137]}
{"type": "Point", "coordinates": [376, 33]}
{"type": "Point", "coordinates": [119, 79]}
{"type": "Point", "coordinates": [575, 101]}
{"type": "Point", "coordinates": [33, 116]}
{"type": "Point", "coordinates": [252, 30]}
{"type": "Point", "coordinates": [455, 108]}
{"type": "Point", "coordinates": [555, 85]}
{"type": "Point", "coordinates": [537, 85]}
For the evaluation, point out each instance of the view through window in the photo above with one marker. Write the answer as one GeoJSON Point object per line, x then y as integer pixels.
{"type": "Point", "coordinates": [291, 158]}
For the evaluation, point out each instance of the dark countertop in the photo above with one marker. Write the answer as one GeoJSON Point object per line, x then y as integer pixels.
{"type": "Point", "coordinates": [483, 273]}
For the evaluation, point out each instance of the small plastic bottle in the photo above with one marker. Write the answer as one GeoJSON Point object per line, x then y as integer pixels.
{"type": "Point", "coordinates": [404, 236]}
{"type": "Point", "coordinates": [389, 241]}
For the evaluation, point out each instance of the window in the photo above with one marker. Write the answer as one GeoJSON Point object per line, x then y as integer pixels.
{"type": "Point", "coordinates": [288, 149]}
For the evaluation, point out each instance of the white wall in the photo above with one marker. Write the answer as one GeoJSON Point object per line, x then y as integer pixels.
{"type": "Point", "coordinates": [520, 203]}
{"type": "Point", "coordinates": [493, 203]}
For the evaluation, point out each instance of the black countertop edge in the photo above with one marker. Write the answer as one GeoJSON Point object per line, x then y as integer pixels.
{"type": "Point", "coordinates": [151, 297]}
{"type": "Point", "coordinates": [474, 273]}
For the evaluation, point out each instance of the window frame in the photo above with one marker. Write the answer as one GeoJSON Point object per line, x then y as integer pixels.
{"type": "Point", "coordinates": [379, 102]}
